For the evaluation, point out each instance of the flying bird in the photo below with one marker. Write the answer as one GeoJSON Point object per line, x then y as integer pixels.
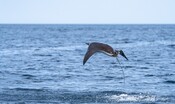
{"type": "Point", "coordinates": [103, 48]}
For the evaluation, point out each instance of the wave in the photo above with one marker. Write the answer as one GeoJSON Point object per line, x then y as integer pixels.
{"type": "Point", "coordinates": [49, 96]}
{"type": "Point", "coordinates": [133, 98]}
{"type": "Point", "coordinates": [170, 82]}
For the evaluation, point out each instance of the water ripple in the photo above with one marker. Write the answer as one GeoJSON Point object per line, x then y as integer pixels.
{"type": "Point", "coordinates": [170, 81]}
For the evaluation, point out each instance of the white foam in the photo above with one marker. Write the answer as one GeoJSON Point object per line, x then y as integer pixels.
{"type": "Point", "coordinates": [132, 98]}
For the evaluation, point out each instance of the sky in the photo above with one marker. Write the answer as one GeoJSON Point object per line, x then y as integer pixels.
{"type": "Point", "coordinates": [87, 11]}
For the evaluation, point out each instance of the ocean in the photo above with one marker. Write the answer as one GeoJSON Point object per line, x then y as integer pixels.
{"type": "Point", "coordinates": [44, 64]}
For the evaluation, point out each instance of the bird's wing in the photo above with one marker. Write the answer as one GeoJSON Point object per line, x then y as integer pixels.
{"type": "Point", "coordinates": [93, 48]}
{"type": "Point", "coordinates": [88, 54]}
{"type": "Point", "coordinates": [97, 47]}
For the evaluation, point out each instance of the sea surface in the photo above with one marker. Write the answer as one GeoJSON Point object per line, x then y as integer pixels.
{"type": "Point", "coordinates": [44, 64]}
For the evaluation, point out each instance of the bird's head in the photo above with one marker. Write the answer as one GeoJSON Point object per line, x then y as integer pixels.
{"type": "Point", "coordinates": [121, 53]}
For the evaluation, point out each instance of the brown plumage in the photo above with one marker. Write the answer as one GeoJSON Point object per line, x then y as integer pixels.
{"type": "Point", "coordinates": [101, 47]}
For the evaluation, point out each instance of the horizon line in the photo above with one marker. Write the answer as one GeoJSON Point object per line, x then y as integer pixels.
{"type": "Point", "coordinates": [87, 23]}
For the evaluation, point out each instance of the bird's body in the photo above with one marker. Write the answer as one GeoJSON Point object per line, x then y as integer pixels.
{"type": "Point", "coordinates": [101, 47]}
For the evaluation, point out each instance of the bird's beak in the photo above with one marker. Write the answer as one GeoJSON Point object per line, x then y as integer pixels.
{"type": "Point", "coordinates": [122, 54]}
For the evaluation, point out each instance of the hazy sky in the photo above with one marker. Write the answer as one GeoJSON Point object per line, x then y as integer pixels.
{"type": "Point", "coordinates": [88, 11]}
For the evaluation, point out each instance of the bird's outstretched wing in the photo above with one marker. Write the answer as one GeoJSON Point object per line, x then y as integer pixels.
{"type": "Point", "coordinates": [97, 47]}
{"type": "Point", "coordinates": [88, 54]}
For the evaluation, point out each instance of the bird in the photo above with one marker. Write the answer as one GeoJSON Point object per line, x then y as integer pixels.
{"type": "Point", "coordinates": [95, 47]}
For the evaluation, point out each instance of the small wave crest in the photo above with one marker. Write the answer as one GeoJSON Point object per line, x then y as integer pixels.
{"type": "Point", "coordinates": [132, 98]}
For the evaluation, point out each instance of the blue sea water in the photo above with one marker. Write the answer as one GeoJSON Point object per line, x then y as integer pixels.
{"type": "Point", "coordinates": [43, 64]}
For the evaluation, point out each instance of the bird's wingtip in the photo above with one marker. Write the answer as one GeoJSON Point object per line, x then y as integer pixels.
{"type": "Point", "coordinates": [84, 62]}
{"type": "Point", "coordinates": [87, 43]}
